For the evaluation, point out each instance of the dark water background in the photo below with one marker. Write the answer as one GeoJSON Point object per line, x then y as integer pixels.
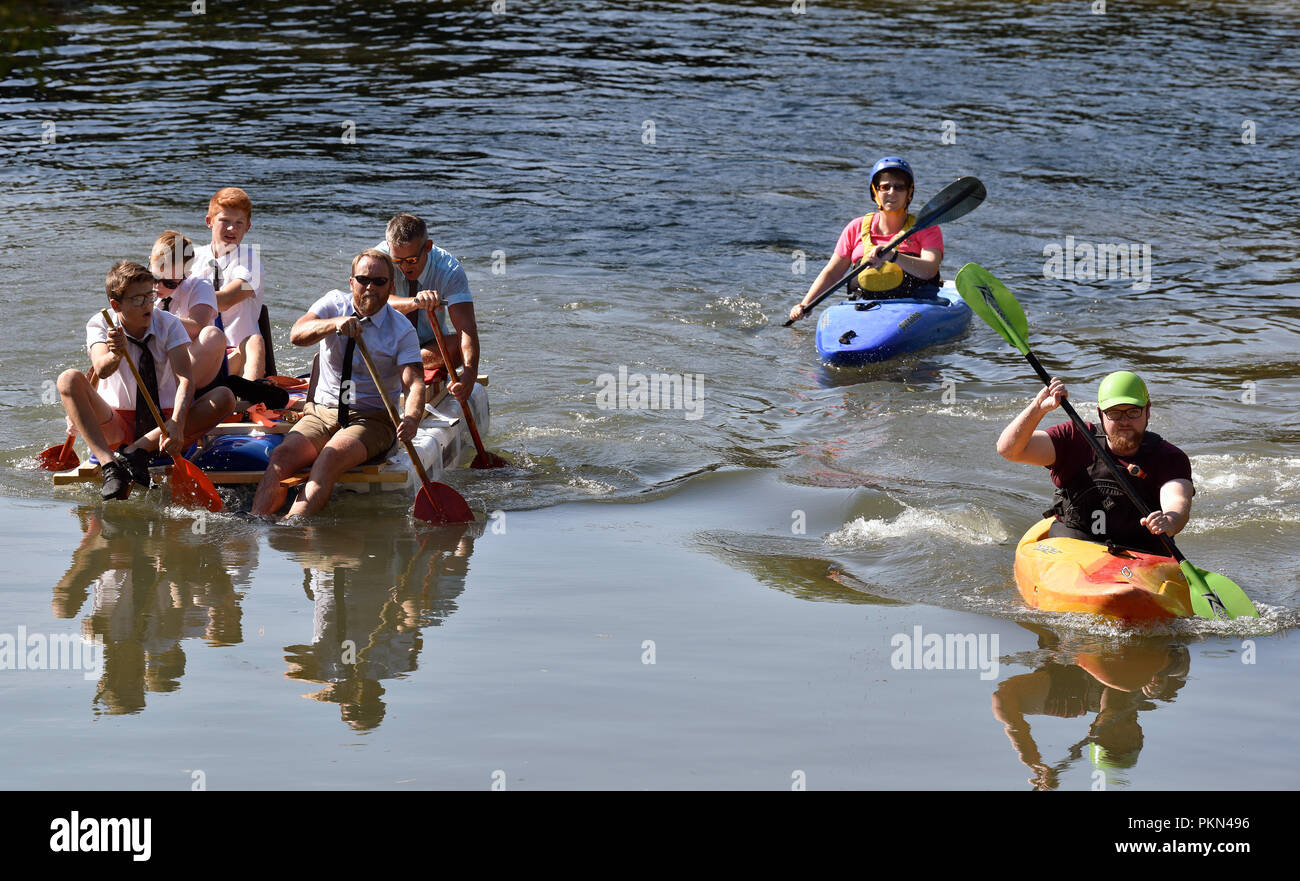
{"type": "Point", "coordinates": [527, 134]}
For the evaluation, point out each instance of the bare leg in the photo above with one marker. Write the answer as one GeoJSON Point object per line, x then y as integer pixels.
{"type": "Point", "coordinates": [293, 454]}
{"type": "Point", "coordinates": [206, 354]}
{"type": "Point", "coordinates": [209, 410]}
{"type": "Point", "coordinates": [340, 454]}
{"type": "Point", "coordinates": [90, 414]}
{"type": "Point", "coordinates": [254, 351]}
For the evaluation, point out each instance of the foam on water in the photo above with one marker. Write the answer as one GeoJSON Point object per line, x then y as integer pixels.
{"type": "Point", "coordinates": [969, 526]}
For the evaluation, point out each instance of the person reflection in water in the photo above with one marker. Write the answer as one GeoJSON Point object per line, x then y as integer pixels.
{"type": "Point", "coordinates": [372, 598]}
{"type": "Point", "coordinates": [152, 584]}
{"type": "Point", "coordinates": [1114, 682]}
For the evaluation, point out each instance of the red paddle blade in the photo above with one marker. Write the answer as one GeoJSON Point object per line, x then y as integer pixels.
{"type": "Point", "coordinates": [486, 459]}
{"type": "Point", "coordinates": [192, 488]}
{"type": "Point", "coordinates": [438, 503]}
{"type": "Point", "coordinates": [60, 458]}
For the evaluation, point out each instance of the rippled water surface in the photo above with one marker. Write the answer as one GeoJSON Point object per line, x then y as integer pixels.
{"type": "Point", "coordinates": [641, 186]}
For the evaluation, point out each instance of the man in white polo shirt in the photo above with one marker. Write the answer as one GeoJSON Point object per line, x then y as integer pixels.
{"type": "Point", "coordinates": [345, 424]}
{"type": "Point", "coordinates": [431, 278]}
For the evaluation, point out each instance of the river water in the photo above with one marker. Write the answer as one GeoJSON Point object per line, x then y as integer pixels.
{"type": "Point", "coordinates": [706, 598]}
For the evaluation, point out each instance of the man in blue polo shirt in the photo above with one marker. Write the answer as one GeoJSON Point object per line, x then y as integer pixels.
{"type": "Point", "coordinates": [345, 423]}
{"type": "Point", "coordinates": [432, 278]}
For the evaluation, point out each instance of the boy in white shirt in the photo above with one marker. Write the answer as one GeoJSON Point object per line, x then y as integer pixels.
{"type": "Point", "coordinates": [192, 299]}
{"type": "Point", "coordinates": [235, 271]}
{"type": "Point", "coordinates": [117, 425]}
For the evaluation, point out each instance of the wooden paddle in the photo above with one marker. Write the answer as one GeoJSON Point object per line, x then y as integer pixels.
{"type": "Point", "coordinates": [484, 459]}
{"type": "Point", "coordinates": [436, 502]}
{"type": "Point", "coordinates": [190, 486]}
{"type": "Point", "coordinates": [1213, 595]}
{"type": "Point", "coordinates": [62, 457]}
{"type": "Point", "coordinates": [958, 199]}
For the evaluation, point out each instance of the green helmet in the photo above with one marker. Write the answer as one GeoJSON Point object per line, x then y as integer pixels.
{"type": "Point", "coordinates": [1122, 388]}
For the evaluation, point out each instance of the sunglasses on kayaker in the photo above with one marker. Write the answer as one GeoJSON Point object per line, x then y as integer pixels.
{"type": "Point", "coordinates": [170, 284]}
{"type": "Point", "coordinates": [377, 281]}
{"type": "Point", "coordinates": [407, 261]}
{"type": "Point", "coordinates": [1128, 414]}
{"type": "Point", "coordinates": [887, 187]}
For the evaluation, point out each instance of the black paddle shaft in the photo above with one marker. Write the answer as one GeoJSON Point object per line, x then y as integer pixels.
{"type": "Point", "coordinates": [955, 200]}
{"type": "Point", "coordinates": [1120, 476]}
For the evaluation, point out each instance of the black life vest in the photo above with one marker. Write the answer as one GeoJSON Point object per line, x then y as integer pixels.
{"type": "Point", "coordinates": [890, 281]}
{"type": "Point", "coordinates": [1095, 489]}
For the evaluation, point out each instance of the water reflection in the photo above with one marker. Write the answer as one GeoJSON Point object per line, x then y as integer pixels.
{"type": "Point", "coordinates": [1082, 677]}
{"type": "Point", "coordinates": [372, 595]}
{"type": "Point", "coordinates": [153, 582]}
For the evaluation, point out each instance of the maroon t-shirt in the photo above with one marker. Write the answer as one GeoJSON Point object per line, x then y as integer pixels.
{"type": "Point", "coordinates": [1074, 453]}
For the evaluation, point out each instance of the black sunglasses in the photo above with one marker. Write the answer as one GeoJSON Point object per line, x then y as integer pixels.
{"type": "Point", "coordinates": [170, 284]}
{"type": "Point", "coordinates": [373, 280]}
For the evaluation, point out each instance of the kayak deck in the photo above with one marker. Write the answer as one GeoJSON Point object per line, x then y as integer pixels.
{"type": "Point", "coordinates": [1069, 575]}
{"type": "Point", "coordinates": [857, 332]}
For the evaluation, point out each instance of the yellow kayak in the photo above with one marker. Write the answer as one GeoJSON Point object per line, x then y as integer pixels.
{"type": "Point", "coordinates": [1069, 575]}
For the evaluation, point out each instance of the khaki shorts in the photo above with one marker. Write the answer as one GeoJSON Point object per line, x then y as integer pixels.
{"type": "Point", "coordinates": [373, 428]}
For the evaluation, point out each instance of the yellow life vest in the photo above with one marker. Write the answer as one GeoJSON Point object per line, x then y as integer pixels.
{"type": "Point", "coordinates": [889, 275]}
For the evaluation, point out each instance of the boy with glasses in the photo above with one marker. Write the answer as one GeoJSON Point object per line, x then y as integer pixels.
{"type": "Point", "coordinates": [114, 418]}
{"type": "Point", "coordinates": [1090, 505]}
{"type": "Point", "coordinates": [430, 279]}
{"type": "Point", "coordinates": [345, 424]}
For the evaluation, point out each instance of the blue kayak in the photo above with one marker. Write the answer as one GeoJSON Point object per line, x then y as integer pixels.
{"type": "Point", "coordinates": [858, 332]}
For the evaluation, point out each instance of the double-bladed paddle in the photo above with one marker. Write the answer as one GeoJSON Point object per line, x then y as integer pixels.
{"type": "Point", "coordinates": [958, 199]}
{"type": "Point", "coordinates": [190, 486]}
{"type": "Point", "coordinates": [1213, 595]}
{"type": "Point", "coordinates": [436, 502]}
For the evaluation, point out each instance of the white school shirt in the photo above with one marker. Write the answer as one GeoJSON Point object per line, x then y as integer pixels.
{"type": "Point", "coordinates": [193, 291]}
{"type": "Point", "coordinates": [392, 343]}
{"type": "Point", "coordinates": [245, 264]}
{"type": "Point", "coordinates": [165, 333]}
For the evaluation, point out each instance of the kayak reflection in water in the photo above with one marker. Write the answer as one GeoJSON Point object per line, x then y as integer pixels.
{"type": "Point", "coordinates": [910, 271]}
{"type": "Point", "coordinates": [372, 598]}
{"type": "Point", "coordinates": [1090, 504]}
{"type": "Point", "coordinates": [1114, 682]}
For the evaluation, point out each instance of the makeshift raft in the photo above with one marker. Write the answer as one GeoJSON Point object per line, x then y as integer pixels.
{"type": "Point", "coordinates": [236, 453]}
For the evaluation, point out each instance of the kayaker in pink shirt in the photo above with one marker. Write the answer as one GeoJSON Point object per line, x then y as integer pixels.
{"type": "Point", "coordinates": [910, 271]}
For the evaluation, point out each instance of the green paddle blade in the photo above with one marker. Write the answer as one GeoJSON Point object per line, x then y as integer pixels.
{"type": "Point", "coordinates": [1214, 596]}
{"type": "Point", "coordinates": [989, 299]}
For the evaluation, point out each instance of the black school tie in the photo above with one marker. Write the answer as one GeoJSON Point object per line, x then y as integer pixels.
{"type": "Point", "coordinates": [345, 385]}
{"type": "Point", "coordinates": [167, 304]}
{"type": "Point", "coordinates": [144, 421]}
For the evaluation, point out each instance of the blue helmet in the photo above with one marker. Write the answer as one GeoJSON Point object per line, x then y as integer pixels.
{"type": "Point", "coordinates": [892, 162]}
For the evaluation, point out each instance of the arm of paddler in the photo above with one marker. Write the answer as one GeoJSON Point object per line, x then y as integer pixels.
{"type": "Point", "coordinates": [413, 384]}
{"type": "Point", "coordinates": [462, 318]}
{"type": "Point", "coordinates": [179, 359]}
{"type": "Point", "coordinates": [832, 272]}
{"type": "Point", "coordinates": [106, 358]}
{"type": "Point", "coordinates": [200, 317]}
{"type": "Point", "coordinates": [924, 266]}
{"type": "Point", "coordinates": [1176, 508]}
{"type": "Point", "coordinates": [233, 293]}
{"type": "Point", "coordinates": [311, 328]}
{"type": "Point", "coordinates": [1020, 441]}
